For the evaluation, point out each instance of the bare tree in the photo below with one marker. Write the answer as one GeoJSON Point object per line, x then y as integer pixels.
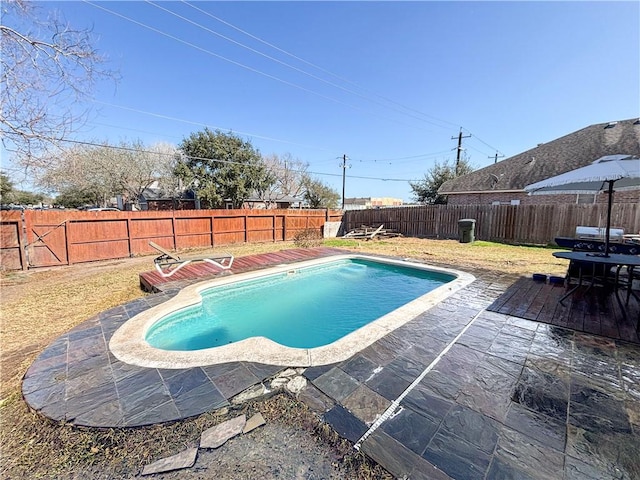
{"type": "Point", "coordinates": [47, 70]}
{"type": "Point", "coordinates": [289, 174]}
{"type": "Point", "coordinates": [167, 158]}
{"type": "Point", "coordinates": [104, 171]}
{"type": "Point", "coordinates": [80, 169]}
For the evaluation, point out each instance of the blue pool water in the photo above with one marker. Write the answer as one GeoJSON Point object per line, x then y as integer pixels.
{"type": "Point", "coordinates": [303, 308]}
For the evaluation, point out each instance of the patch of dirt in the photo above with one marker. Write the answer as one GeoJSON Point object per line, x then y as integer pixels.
{"type": "Point", "coordinates": [274, 451]}
{"type": "Point", "coordinates": [293, 444]}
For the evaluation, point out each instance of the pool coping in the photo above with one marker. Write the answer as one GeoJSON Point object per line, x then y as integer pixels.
{"type": "Point", "coordinates": [128, 342]}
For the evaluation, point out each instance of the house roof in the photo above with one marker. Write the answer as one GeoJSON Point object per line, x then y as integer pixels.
{"type": "Point", "coordinates": [156, 194]}
{"type": "Point", "coordinates": [572, 151]}
{"type": "Point", "coordinates": [273, 197]}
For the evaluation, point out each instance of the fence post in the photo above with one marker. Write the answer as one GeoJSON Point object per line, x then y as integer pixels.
{"type": "Point", "coordinates": [22, 242]}
{"type": "Point", "coordinates": [213, 238]}
{"type": "Point", "coordinates": [273, 227]}
{"type": "Point", "coordinates": [285, 218]}
{"type": "Point", "coordinates": [128, 237]}
{"type": "Point", "coordinates": [173, 230]}
{"type": "Point", "coordinates": [67, 241]}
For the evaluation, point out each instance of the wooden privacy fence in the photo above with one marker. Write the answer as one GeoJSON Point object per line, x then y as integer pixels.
{"type": "Point", "coordinates": [515, 224]}
{"type": "Point", "coordinates": [48, 238]}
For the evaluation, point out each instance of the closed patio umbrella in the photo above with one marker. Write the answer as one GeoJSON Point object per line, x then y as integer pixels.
{"type": "Point", "coordinates": [621, 171]}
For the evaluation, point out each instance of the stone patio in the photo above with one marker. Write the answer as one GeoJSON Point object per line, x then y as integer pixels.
{"type": "Point", "coordinates": [457, 393]}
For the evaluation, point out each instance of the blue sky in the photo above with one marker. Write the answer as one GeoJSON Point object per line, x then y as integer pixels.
{"type": "Point", "coordinates": [396, 79]}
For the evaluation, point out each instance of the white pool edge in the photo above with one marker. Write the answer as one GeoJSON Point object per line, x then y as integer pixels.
{"type": "Point", "coordinates": [128, 342]}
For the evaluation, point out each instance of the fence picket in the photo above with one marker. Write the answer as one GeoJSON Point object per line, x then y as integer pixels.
{"type": "Point", "coordinates": [36, 238]}
{"type": "Point", "coordinates": [518, 224]}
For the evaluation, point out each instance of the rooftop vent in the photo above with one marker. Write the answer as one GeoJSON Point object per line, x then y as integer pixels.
{"type": "Point", "coordinates": [611, 124]}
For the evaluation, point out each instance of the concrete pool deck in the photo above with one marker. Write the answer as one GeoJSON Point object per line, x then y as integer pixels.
{"type": "Point", "coordinates": [459, 392]}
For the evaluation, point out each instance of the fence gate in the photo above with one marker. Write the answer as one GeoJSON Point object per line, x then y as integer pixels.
{"type": "Point", "coordinates": [46, 237]}
{"type": "Point", "coordinates": [11, 241]}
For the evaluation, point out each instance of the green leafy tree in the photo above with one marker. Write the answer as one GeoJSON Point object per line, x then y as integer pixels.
{"type": "Point", "coordinates": [319, 195]}
{"type": "Point", "coordinates": [74, 198]}
{"type": "Point", "coordinates": [221, 167]}
{"type": "Point", "coordinates": [6, 188]}
{"type": "Point", "coordinates": [426, 190]}
{"type": "Point", "coordinates": [23, 197]}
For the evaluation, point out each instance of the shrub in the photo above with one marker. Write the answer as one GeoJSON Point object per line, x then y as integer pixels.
{"type": "Point", "coordinates": [307, 238]}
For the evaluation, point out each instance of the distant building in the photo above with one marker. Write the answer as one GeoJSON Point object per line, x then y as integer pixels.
{"type": "Point", "coordinates": [155, 199]}
{"type": "Point", "coordinates": [503, 183]}
{"type": "Point", "coordinates": [362, 203]}
{"type": "Point", "coordinates": [271, 201]}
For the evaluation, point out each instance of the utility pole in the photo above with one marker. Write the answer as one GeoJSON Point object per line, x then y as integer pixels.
{"type": "Point", "coordinates": [459, 148]}
{"type": "Point", "coordinates": [344, 176]}
{"type": "Point", "coordinates": [495, 159]}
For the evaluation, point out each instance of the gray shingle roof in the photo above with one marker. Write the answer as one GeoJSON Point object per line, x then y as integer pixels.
{"type": "Point", "coordinates": [566, 153]}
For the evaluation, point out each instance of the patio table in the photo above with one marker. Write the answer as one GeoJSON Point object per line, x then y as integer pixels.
{"type": "Point", "coordinates": [617, 260]}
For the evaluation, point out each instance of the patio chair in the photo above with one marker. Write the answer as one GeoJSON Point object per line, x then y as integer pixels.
{"type": "Point", "coordinates": [168, 263]}
{"type": "Point", "coordinates": [624, 280]}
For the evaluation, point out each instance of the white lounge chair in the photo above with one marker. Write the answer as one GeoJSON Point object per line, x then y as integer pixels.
{"type": "Point", "coordinates": [168, 263]}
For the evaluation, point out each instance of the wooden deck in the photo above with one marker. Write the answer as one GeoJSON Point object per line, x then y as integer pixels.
{"type": "Point", "coordinates": [152, 281]}
{"type": "Point", "coordinates": [596, 311]}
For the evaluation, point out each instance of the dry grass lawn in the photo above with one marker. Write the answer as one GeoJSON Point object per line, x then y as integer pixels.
{"type": "Point", "coordinates": [38, 306]}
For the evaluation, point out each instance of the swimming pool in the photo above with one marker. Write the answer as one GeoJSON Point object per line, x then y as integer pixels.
{"type": "Point", "coordinates": [300, 308]}
{"type": "Point", "coordinates": [311, 313]}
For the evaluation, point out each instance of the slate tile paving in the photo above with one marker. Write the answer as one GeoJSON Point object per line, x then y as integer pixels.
{"type": "Point", "coordinates": [543, 392]}
{"type": "Point", "coordinates": [345, 423]}
{"type": "Point", "coordinates": [424, 402]}
{"type": "Point", "coordinates": [540, 428]}
{"type": "Point", "coordinates": [502, 470]}
{"type": "Point", "coordinates": [379, 354]}
{"type": "Point", "coordinates": [360, 368]}
{"type": "Point", "coordinates": [312, 373]}
{"type": "Point", "coordinates": [411, 429]}
{"type": "Point", "coordinates": [316, 400]}
{"type": "Point", "coordinates": [512, 398]}
{"type": "Point", "coordinates": [366, 404]}
{"type": "Point", "coordinates": [388, 384]}
{"type": "Point", "coordinates": [398, 459]}
{"type": "Point", "coordinates": [336, 383]}
{"type": "Point", "coordinates": [456, 457]}
{"type": "Point", "coordinates": [235, 381]}
{"type": "Point", "coordinates": [490, 403]}
{"type": "Point", "coordinates": [529, 457]}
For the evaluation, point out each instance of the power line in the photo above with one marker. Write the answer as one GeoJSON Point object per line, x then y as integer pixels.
{"type": "Point", "coordinates": [228, 162]}
{"type": "Point", "coordinates": [200, 124]}
{"type": "Point", "coordinates": [299, 70]}
{"type": "Point", "coordinates": [482, 141]}
{"type": "Point", "coordinates": [476, 149]}
{"type": "Point", "coordinates": [247, 67]}
{"type": "Point", "coordinates": [423, 155]}
{"type": "Point", "coordinates": [325, 70]}
{"type": "Point", "coordinates": [251, 135]}
{"type": "Point", "coordinates": [273, 77]}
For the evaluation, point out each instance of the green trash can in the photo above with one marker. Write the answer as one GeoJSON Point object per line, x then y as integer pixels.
{"type": "Point", "coordinates": [467, 230]}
